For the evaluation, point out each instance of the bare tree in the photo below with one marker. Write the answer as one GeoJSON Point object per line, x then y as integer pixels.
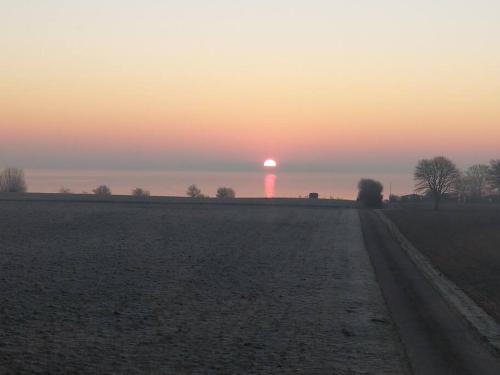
{"type": "Point", "coordinates": [102, 190]}
{"type": "Point", "coordinates": [12, 181]}
{"type": "Point", "coordinates": [194, 192]}
{"type": "Point", "coordinates": [474, 183]}
{"type": "Point", "coordinates": [436, 176]}
{"type": "Point", "coordinates": [225, 192]}
{"type": "Point", "coordinates": [65, 190]}
{"type": "Point", "coordinates": [140, 193]}
{"type": "Point", "coordinates": [494, 174]}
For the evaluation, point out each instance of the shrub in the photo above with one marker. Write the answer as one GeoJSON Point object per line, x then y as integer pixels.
{"type": "Point", "coordinates": [140, 193]}
{"type": "Point", "coordinates": [370, 193]}
{"type": "Point", "coordinates": [64, 190]}
{"type": "Point", "coordinates": [225, 192]}
{"type": "Point", "coordinates": [102, 190]}
{"type": "Point", "coordinates": [194, 192]}
{"type": "Point", "coordinates": [12, 181]}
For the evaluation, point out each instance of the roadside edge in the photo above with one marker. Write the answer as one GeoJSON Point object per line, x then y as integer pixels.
{"type": "Point", "coordinates": [477, 318]}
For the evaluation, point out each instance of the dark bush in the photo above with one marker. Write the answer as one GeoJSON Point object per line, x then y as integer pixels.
{"type": "Point", "coordinates": [194, 191]}
{"type": "Point", "coordinates": [65, 190]}
{"type": "Point", "coordinates": [140, 193]}
{"type": "Point", "coordinates": [225, 192]}
{"type": "Point", "coordinates": [102, 190]}
{"type": "Point", "coordinates": [370, 193]}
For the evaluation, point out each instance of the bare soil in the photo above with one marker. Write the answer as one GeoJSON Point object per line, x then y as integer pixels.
{"type": "Point", "coordinates": [463, 242]}
{"type": "Point", "coordinates": [189, 289]}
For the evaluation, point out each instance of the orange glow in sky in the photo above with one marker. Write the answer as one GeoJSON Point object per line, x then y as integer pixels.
{"type": "Point", "coordinates": [217, 85]}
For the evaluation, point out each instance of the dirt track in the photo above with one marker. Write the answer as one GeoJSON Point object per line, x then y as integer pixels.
{"type": "Point", "coordinates": [463, 242]}
{"type": "Point", "coordinates": [437, 338]}
{"type": "Point", "coordinates": [189, 289]}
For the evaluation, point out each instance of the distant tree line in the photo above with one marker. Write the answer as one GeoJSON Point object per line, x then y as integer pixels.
{"type": "Point", "coordinates": [439, 178]}
{"type": "Point", "coordinates": [12, 180]}
{"type": "Point", "coordinates": [193, 191]}
{"type": "Point", "coordinates": [436, 178]}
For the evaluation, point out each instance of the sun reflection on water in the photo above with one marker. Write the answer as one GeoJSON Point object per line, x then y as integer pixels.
{"type": "Point", "coordinates": [270, 185]}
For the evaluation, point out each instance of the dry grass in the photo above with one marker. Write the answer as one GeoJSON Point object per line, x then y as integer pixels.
{"type": "Point", "coordinates": [463, 242]}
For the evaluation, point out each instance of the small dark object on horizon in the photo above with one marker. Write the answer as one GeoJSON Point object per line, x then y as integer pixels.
{"type": "Point", "coordinates": [313, 195]}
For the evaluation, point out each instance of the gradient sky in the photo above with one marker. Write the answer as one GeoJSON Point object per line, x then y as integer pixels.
{"type": "Point", "coordinates": [319, 85]}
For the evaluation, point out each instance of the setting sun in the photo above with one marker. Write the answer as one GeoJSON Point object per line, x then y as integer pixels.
{"type": "Point", "coordinates": [270, 163]}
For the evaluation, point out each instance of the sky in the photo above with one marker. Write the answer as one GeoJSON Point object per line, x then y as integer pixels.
{"type": "Point", "coordinates": [221, 85]}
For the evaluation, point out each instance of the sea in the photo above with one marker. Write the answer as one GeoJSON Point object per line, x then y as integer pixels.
{"type": "Point", "coordinates": [245, 184]}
